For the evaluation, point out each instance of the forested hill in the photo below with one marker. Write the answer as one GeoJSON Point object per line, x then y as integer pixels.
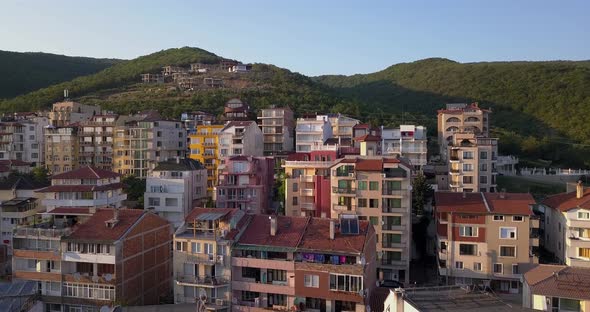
{"type": "Point", "coordinates": [26, 72]}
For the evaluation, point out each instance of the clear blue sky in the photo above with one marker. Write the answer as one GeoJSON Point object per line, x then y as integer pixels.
{"type": "Point", "coordinates": [312, 37]}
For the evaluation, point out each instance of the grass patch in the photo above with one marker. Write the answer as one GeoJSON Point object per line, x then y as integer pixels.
{"type": "Point", "coordinates": [514, 184]}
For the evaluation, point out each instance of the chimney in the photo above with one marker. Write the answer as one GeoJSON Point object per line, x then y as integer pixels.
{"type": "Point", "coordinates": [116, 214]}
{"type": "Point", "coordinates": [579, 189]}
{"type": "Point", "coordinates": [273, 225]}
{"type": "Point", "coordinates": [332, 228]}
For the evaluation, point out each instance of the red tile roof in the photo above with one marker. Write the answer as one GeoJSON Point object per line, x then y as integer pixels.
{"type": "Point", "coordinates": [559, 281]}
{"type": "Point", "coordinates": [568, 201]}
{"type": "Point", "coordinates": [81, 188]}
{"type": "Point", "coordinates": [362, 126]}
{"type": "Point", "coordinates": [317, 237]}
{"type": "Point", "coordinates": [199, 211]}
{"type": "Point", "coordinates": [369, 165]}
{"type": "Point", "coordinates": [455, 202]}
{"type": "Point", "coordinates": [510, 203]}
{"type": "Point", "coordinates": [298, 157]}
{"type": "Point", "coordinates": [368, 138]}
{"type": "Point", "coordinates": [95, 229]}
{"type": "Point", "coordinates": [86, 173]}
{"type": "Point", "coordinates": [14, 162]}
{"type": "Point", "coordinates": [289, 231]}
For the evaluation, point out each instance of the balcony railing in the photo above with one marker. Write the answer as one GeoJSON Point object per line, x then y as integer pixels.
{"type": "Point", "coordinates": [202, 280]}
{"type": "Point", "coordinates": [345, 207]}
{"type": "Point", "coordinates": [392, 262]}
{"type": "Point", "coordinates": [389, 209]}
{"type": "Point", "coordinates": [386, 244]}
{"type": "Point", "coordinates": [307, 206]}
{"type": "Point", "coordinates": [343, 190]}
{"type": "Point", "coordinates": [399, 192]}
{"type": "Point", "coordinates": [393, 227]}
{"type": "Point", "coordinates": [41, 232]}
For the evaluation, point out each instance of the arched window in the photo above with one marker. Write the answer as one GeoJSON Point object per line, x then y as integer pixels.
{"type": "Point", "coordinates": [452, 129]}
{"type": "Point", "coordinates": [471, 119]}
{"type": "Point", "coordinates": [453, 119]}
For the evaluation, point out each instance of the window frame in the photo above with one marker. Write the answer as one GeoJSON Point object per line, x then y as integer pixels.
{"type": "Point", "coordinates": [506, 246]}
{"type": "Point", "coordinates": [511, 229]}
{"type": "Point", "coordinates": [501, 268]}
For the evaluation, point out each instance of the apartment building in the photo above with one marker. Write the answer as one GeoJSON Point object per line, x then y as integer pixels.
{"type": "Point", "coordinates": [62, 146]}
{"type": "Point", "coordinates": [311, 131]}
{"type": "Point", "coordinates": [96, 142]}
{"type": "Point", "coordinates": [143, 141]}
{"type": "Point", "coordinates": [485, 238]}
{"type": "Point", "coordinates": [236, 110]}
{"type": "Point", "coordinates": [204, 147]}
{"type": "Point", "coordinates": [472, 163]}
{"type": "Point", "coordinates": [174, 187]}
{"type": "Point", "coordinates": [89, 258]}
{"type": "Point", "coordinates": [278, 126]}
{"type": "Point", "coordinates": [21, 138]}
{"type": "Point", "coordinates": [566, 226]}
{"type": "Point", "coordinates": [307, 188]}
{"type": "Point", "coordinates": [191, 120]}
{"type": "Point", "coordinates": [202, 256]}
{"type": "Point", "coordinates": [245, 182]}
{"type": "Point", "coordinates": [378, 190]}
{"type": "Point", "coordinates": [84, 187]}
{"type": "Point", "coordinates": [461, 117]}
{"type": "Point", "coordinates": [240, 138]}
{"type": "Point", "coordinates": [556, 288]}
{"type": "Point", "coordinates": [369, 145]}
{"type": "Point", "coordinates": [342, 125]}
{"type": "Point", "coordinates": [68, 112]}
{"type": "Point", "coordinates": [408, 141]}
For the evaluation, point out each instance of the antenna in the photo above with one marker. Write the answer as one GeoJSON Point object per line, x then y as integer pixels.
{"type": "Point", "coordinates": [66, 93]}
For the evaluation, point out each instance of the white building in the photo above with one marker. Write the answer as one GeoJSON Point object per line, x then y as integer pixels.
{"type": "Point", "coordinates": [173, 187]}
{"type": "Point", "coordinates": [342, 125]}
{"type": "Point", "coordinates": [240, 138]}
{"type": "Point", "coordinates": [23, 140]}
{"type": "Point", "coordinates": [407, 141]}
{"type": "Point", "coordinates": [311, 132]}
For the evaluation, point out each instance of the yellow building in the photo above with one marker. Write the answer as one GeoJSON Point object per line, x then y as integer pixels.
{"type": "Point", "coordinates": [204, 147]}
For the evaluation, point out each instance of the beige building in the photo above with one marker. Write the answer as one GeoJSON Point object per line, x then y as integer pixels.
{"type": "Point", "coordinates": [472, 163]}
{"type": "Point", "coordinates": [556, 288]}
{"type": "Point", "coordinates": [342, 125]}
{"type": "Point", "coordinates": [240, 138]}
{"type": "Point", "coordinates": [61, 149]}
{"type": "Point", "coordinates": [278, 125]}
{"type": "Point", "coordinates": [378, 189]}
{"type": "Point", "coordinates": [485, 238]}
{"type": "Point", "coordinates": [307, 188]}
{"type": "Point", "coordinates": [69, 112]}
{"type": "Point", "coordinates": [96, 142]}
{"type": "Point", "coordinates": [310, 132]}
{"type": "Point", "coordinates": [407, 141]}
{"type": "Point", "coordinates": [461, 117]}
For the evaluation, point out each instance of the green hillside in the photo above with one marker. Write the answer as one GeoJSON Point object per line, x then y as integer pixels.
{"type": "Point", "coordinates": [26, 72]}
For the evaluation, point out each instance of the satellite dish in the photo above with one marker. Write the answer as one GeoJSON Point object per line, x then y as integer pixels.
{"type": "Point", "coordinates": [105, 309]}
{"type": "Point", "coordinates": [108, 277]}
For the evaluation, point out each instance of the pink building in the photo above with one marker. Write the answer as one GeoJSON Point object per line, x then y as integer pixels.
{"type": "Point", "coordinates": [245, 182]}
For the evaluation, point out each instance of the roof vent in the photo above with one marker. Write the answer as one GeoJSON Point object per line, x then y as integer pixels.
{"type": "Point", "coordinates": [113, 222]}
{"type": "Point", "coordinates": [273, 225]}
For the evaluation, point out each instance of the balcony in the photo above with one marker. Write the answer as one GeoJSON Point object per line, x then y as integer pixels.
{"type": "Point", "coordinates": [345, 190]}
{"type": "Point", "coordinates": [274, 288]}
{"type": "Point", "coordinates": [348, 207]}
{"type": "Point", "coordinates": [395, 192]}
{"type": "Point", "coordinates": [87, 278]}
{"type": "Point", "coordinates": [454, 159]}
{"type": "Point", "coordinates": [307, 192]}
{"type": "Point", "coordinates": [393, 227]}
{"type": "Point", "coordinates": [391, 262]}
{"type": "Point", "coordinates": [44, 230]}
{"type": "Point", "coordinates": [455, 184]}
{"type": "Point", "coordinates": [390, 209]}
{"type": "Point", "coordinates": [275, 264]}
{"type": "Point", "coordinates": [208, 259]}
{"type": "Point", "coordinates": [345, 174]}
{"type": "Point", "coordinates": [306, 178]}
{"type": "Point", "coordinates": [206, 281]}
{"type": "Point", "coordinates": [386, 244]}
{"type": "Point", "coordinates": [88, 257]}
{"type": "Point", "coordinates": [307, 206]}
{"type": "Point", "coordinates": [454, 171]}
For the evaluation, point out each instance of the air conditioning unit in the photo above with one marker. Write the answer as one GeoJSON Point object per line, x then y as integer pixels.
{"type": "Point", "coordinates": [220, 302]}
{"type": "Point", "coordinates": [351, 175]}
{"type": "Point", "coordinates": [383, 175]}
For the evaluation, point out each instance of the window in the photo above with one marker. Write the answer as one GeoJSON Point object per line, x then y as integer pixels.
{"type": "Point", "coordinates": [373, 186]}
{"type": "Point", "coordinates": [467, 231]}
{"type": "Point", "coordinates": [171, 202]}
{"type": "Point", "coordinates": [467, 167]}
{"type": "Point", "coordinates": [195, 248]}
{"type": "Point", "coordinates": [152, 201]}
{"type": "Point", "coordinates": [498, 218]}
{"type": "Point", "coordinates": [208, 248]}
{"type": "Point", "coordinates": [295, 187]}
{"type": "Point", "coordinates": [584, 252]}
{"type": "Point", "coordinates": [508, 232]}
{"type": "Point", "coordinates": [350, 283]}
{"type": "Point", "coordinates": [295, 203]}
{"type": "Point", "coordinates": [515, 269]}
{"type": "Point", "coordinates": [459, 265]}
{"type": "Point", "coordinates": [468, 249]}
{"type": "Point", "coordinates": [181, 246]}
{"type": "Point", "coordinates": [374, 220]}
{"type": "Point", "coordinates": [498, 268]}
{"type": "Point", "coordinates": [362, 202]}
{"type": "Point", "coordinates": [483, 167]}
{"type": "Point", "coordinates": [483, 155]}
{"type": "Point", "coordinates": [508, 251]}
{"type": "Point", "coordinates": [362, 185]}
{"type": "Point", "coordinates": [312, 281]}
{"type": "Point", "coordinates": [569, 304]}
{"type": "Point", "coordinates": [373, 203]}
{"type": "Point", "coordinates": [467, 155]}
{"type": "Point", "coordinates": [477, 266]}
{"type": "Point", "coordinates": [483, 179]}
{"type": "Point", "coordinates": [249, 295]}
{"type": "Point", "coordinates": [517, 218]}
{"type": "Point", "coordinates": [584, 215]}
{"type": "Point", "coordinates": [468, 179]}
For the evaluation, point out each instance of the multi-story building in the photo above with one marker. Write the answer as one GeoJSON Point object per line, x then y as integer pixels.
{"type": "Point", "coordinates": [312, 131]}
{"type": "Point", "coordinates": [407, 141]}
{"type": "Point", "coordinates": [378, 189]}
{"type": "Point", "coordinates": [96, 142]}
{"type": "Point", "coordinates": [204, 147]}
{"type": "Point", "coordinates": [89, 258]}
{"type": "Point", "coordinates": [307, 188]}
{"type": "Point", "coordinates": [472, 163]}
{"type": "Point", "coordinates": [245, 182]}
{"type": "Point", "coordinates": [174, 187]}
{"type": "Point", "coordinates": [556, 288]}
{"type": "Point", "coordinates": [342, 125]}
{"type": "Point", "coordinates": [485, 238]}
{"type": "Point", "coordinates": [566, 226]}
{"type": "Point", "coordinates": [461, 117]}
{"type": "Point", "coordinates": [65, 113]}
{"type": "Point", "coordinates": [235, 109]}
{"type": "Point", "coordinates": [23, 140]}
{"type": "Point", "coordinates": [303, 263]}
{"type": "Point", "coordinates": [84, 187]}
{"type": "Point", "coordinates": [191, 120]}
{"type": "Point", "coordinates": [144, 141]}
{"type": "Point", "coordinates": [240, 138]}
{"type": "Point", "coordinates": [278, 126]}
{"type": "Point", "coordinates": [61, 148]}
{"type": "Point", "coordinates": [202, 256]}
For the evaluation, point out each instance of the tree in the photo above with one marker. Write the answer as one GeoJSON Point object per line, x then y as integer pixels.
{"type": "Point", "coordinates": [40, 175]}
{"type": "Point", "coordinates": [421, 192]}
{"type": "Point", "coordinates": [135, 189]}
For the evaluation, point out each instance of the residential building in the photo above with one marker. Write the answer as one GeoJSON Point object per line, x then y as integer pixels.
{"type": "Point", "coordinates": [96, 142]}
{"type": "Point", "coordinates": [68, 112]}
{"type": "Point", "coordinates": [278, 126]}
{"type": "Point", "coordinates": [170, 70]}
{"type": "Point", "coordinates": [84, 259]}
{"type": "Point", "coordinates": [486, 239]}
{"type": "Point", "coordinates": [152, 78]}
{"type": "Point", "coordinates": [472, 163]}
{"type": "Point", "coordinates": [408, 141]}
{"type": "Point", "coordinates": [556, 288]}
{"type": "Point", "coordinates": [303, 263]}
{"type": "Point", "coordinates": [174, 187]}
{"type": "Point", "coordinates": [311, 131]}
{"type": "Point", "coordinates": [378, 190]}
{"type": "Point", "coordinates": [23, 140]}
{"type": "Point", "coordinates": [240, 138]}
{"type": "Point", "coordinates": [204, 147]}
{"type": "Point", "coordinates": [143, 141]}
{"type": "Point", "coordinates": [236, 110]}
{"type": "Point", "coordinates": [370, 145]}
{"type": "Point", "coordinates": [193, 119]}
{"type": "Point", "coordinates": [461, 117]}
{"type": "Point", "coordinates": [62, 146]}
{"type": "Point", "coordinates": [342, 125]}
{"type": "Point", "coordinates": [240, 68]}
{"type": "Point", "coordinates": [245, 182]}
{"type": "Point", "coordinates": [8, 167]}
{"type": "Point", "coordinates": [202, 256]}
{"type": "Point", "coordinates": [566, 226]}
{"type": "Point", "coordinates": [84, 187]}
{"type": "Point", "coordinates": [307, 188]}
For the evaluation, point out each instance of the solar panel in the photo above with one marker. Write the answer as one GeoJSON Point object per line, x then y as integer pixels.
{"type": "Point", "coordinates": [349, 224]}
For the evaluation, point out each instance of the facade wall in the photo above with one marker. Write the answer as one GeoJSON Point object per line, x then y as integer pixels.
{"type": "Point", "coordinates": [204, 147]}
{"type": "Point", "coordinates": [468, 119]}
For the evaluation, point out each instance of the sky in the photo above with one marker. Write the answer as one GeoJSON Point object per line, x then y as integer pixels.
{"type": "Point", "coordinates": [310, 37]}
